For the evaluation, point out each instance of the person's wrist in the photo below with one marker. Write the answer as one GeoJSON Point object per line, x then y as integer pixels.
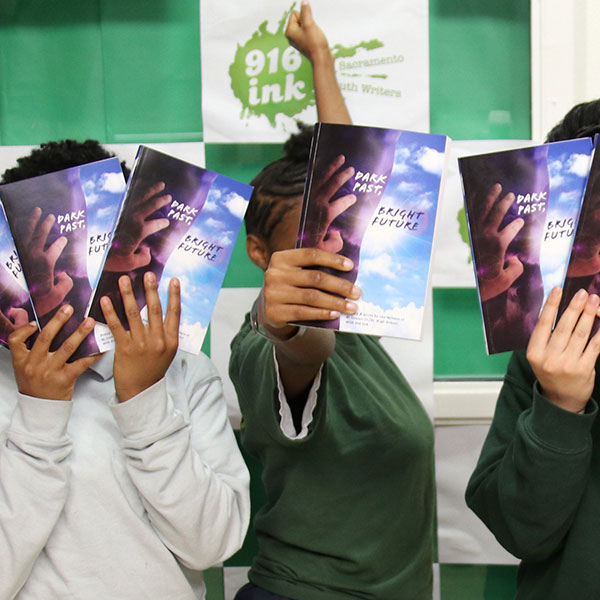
{"type": "Point", "coordinates": [274, 334]}
{"type": "Point", "coordinates": [321, 56]}
{"type": "Point", "coordinates": [574, 405]}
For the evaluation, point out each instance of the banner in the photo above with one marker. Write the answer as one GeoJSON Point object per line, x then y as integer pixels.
{"type": "Point", "coordinates": [256, 86]}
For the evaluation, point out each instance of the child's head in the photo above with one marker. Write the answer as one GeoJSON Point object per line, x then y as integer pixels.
{"type": "Point", "coordinates": [582, 120]}
{"type": "Point", "coordinates": [274, 209]}
{"type": "Point", "coordinates": [56, 156]}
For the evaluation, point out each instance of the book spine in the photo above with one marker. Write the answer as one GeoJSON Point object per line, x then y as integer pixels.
{"type": "Point", "coordinates": [307, 184]}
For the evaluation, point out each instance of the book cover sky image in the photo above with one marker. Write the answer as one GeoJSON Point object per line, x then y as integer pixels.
{"type": "Point", "coordinates": [201, 258]}
{"type": "Point", "coordinates": [387, 225]}
{"type": "Point", "coordinates": [397, 248]}
{"type": "Point", "coordinates": [522, 207]}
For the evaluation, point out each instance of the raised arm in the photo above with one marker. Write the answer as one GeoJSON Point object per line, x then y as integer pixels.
{"type": "Point", "coordinates": [307, 37]}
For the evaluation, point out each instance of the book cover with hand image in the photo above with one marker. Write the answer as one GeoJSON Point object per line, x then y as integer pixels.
{"type": "Point", "coordinates": [583, 270]}
{"type": "Point", "coordinates": [522, 208]}
{"type": "Point", "coordinates": [16, 308]}
{"type": "Point", "coordinates": [56, 221]}
{"type": "Point", "coordinates": [176, 220]}
{"type": "Point", "coordinates": [372, 195]}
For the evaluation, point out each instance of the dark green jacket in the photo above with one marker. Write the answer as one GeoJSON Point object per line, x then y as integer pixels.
{"type": "Point", "coordinates": [537, 487]}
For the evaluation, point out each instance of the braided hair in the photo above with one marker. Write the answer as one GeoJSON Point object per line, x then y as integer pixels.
{"type": "Point", "coordinates": [279, 186]}
{"type": "Point", "coordinates": [582, 120]}
{"type": "Point", "coordinates": [56, 156]}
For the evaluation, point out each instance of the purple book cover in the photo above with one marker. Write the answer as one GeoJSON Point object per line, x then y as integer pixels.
{"type": "Point", "coordinates": [372, 195]}
{"type": "Point", "coordinates": [583, 271]}
{"type": "Point", "coordinates": [522, 207]}
{"type": "Point", "coordinates": [177, 220]}
{"type": "Point", "coordinates": [16, 309]}
{"type": "Point", "coordinates": [56, 221]}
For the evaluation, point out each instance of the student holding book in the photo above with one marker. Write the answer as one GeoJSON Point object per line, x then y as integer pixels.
{"type": "Point", "coordinates": [345, 444]}
{"type": "Point", "coordinates": [120, 476]}
{"type": "Point", "coordinates": [537, 483]}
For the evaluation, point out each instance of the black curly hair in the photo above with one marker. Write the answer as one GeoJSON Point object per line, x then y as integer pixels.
{"type": "Point", "coordinates": [56, 156]}
{"type": "Point", "coordinates": [582, 120]}
{"type": "Point", "coordinates": [280, 185]}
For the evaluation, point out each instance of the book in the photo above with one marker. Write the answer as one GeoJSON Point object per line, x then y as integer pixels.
{"type": "Point", "coordinates": [583, 269]}
{"type": "Point", "coordinates": [16, 308]}
{"type": "Point", "coordinates": [372, 194]}
{"type": "Point", "coordinates": [522, 208]}
{"type": "Point", "coordinates": [61, 223]}
{"type": "Point", "coordinates": [176, 220]}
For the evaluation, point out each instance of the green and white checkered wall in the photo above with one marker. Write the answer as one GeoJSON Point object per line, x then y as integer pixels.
{"type": "Point", "coordinates": [130, 72]}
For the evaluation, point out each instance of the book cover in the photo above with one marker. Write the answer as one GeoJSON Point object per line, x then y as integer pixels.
{"type": "Point", "coordinates": [177, 220]}
{"type": "Point", "coordinates": [372, 195]}
{"type": "Point", "coordinates": [583, 270]}
{"type": "Point", "coordinates": [522, 207]}
{"type": "Point", "coordinates": [60, 224]}
{"type": "Point", "coordinates": [16, 309]}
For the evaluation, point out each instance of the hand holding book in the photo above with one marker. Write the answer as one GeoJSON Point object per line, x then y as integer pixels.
{"type": "Point", "coordinates": [563, 360]}
{"type": "Point", "coordinates": [44, 374]}
{"type": "Point", "coordinates": [292, 292]}
{"type": "Point", "coordinates": [143, 354]}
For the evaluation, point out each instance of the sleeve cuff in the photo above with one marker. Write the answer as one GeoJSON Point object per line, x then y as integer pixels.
{"type": "Point", "coordinates": [40, 417]}
{"type": "Point", "coordinates": [561, 429]}
{"type": "Point", "coordinates": [147, 414]}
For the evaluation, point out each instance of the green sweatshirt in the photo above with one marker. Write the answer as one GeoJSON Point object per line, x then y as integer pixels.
{"type": "Point", "coordinates": [349, 510]}
{"type": "Point", "coordinates": [537, 487]}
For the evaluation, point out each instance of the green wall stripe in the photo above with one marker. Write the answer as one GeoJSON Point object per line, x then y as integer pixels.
{"type": "Point", "coordinates": [477, 582]}
{"type": "Point", "coordinates": [459, 347]}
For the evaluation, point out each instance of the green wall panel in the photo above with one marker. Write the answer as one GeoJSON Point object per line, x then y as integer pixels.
{"type": "Point", "coordinates": [151, 53]}
{"type": "Point", "coordinates": [459, 349]}
{"type": "Point", "coordinates": [477, 582]}
{"type": "Point", "coordinates": [51, 71]}
{"type": "Point", "coordinates": [114, 71]}
{"type": "Point", "coordinates": [215, 585]}
{"type": "Point", "coordinates": [480, 68]}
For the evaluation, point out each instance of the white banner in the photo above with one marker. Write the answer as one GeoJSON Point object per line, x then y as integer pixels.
{"type": "Point", "coordinates": [255, 86]}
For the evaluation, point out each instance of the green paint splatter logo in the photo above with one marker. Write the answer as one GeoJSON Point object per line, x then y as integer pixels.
{"type": "Point", "coordinates": [271, 78]}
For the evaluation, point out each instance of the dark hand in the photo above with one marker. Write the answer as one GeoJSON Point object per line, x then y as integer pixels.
{"type": "Point", "coordinates": [143, 354]}
{"type": "Point", "coordinates": [44, 374]}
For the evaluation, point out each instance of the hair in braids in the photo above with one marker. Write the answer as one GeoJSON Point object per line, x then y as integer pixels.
{"type": "Point", "coordinates": [582, 120]}
{"type": "Point", "coordinates": [56, 156]}
{"type": "Point", "coordinates": [279, 186]}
